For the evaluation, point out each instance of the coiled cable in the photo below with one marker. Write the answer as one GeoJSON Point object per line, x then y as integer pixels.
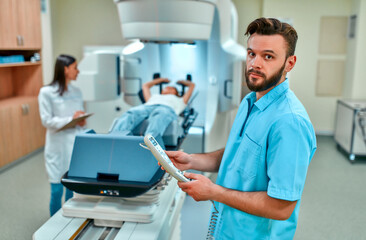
{"type": "Point", "coordinates": [213, 222]}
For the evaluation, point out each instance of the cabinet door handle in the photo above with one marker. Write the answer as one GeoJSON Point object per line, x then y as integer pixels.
{"type": "Point", "coordinates": [22, 40]}
{"type": "Point", "coordinates": [25, 109]}
{"type": "Point", "coordinates": [19, 40]}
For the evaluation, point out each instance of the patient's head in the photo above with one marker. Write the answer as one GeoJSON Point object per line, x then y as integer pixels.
{"type": "Point", "coordinates": [170, 90]}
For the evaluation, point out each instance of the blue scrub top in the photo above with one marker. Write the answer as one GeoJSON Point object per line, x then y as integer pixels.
{"type": "Point", "coordinates": [269, 149]}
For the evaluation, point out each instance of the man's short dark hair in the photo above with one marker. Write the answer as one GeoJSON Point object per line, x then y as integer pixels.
{"type": "Point", "coordinates": [272, 26]}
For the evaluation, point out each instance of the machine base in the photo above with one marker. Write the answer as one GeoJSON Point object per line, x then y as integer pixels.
{"type": "Point", "coordinates": [164, 226]}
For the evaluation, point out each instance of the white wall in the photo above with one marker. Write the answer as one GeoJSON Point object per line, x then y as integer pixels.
{"type": "Point", "coordinates": [47, 53]}
{"type": "Point", "coordinates": [84, 22]}
{"type": "Point", "coordinates": [305, 16]}
{"type": "Point", "coordinates": [247, 12]}
{"type": "Point", "coordinates": [355, 67]}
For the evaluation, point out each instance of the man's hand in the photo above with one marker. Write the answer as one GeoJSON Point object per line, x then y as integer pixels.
{"type": "Point", "coordinates": [257, 203]}
{"type": "Point", "coordinates": [181, 160]}
{"type": "Point", "coordinates": [200, 188]}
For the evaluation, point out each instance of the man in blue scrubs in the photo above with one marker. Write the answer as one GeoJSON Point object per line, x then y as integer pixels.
{"type": "Point", "coordinates": [262, 170]}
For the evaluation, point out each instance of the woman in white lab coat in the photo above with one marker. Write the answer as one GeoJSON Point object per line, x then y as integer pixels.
{"type": "Point", "coordinates": [59, 103]}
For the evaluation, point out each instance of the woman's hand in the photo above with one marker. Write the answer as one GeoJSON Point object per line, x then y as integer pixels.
{"type": "Point", "coordinates": [78, 114]}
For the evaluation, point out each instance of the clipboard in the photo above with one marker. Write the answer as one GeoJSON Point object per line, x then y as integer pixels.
{"type": "Point", "coordinates": [74, 121]}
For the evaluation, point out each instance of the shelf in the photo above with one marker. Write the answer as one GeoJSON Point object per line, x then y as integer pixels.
{"type": "Point", "coordinates": [19, 49]}
{"type": "Point", "coordinates": [20, 64]}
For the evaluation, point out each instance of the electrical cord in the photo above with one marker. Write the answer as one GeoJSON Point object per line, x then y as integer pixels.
{"type": "Point", "coordinates": [214, 214]}
{"type": "Point", "coordinates": [213, 222]}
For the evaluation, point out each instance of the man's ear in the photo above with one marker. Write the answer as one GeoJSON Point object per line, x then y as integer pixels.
{"type": "Point", "coordinates": [290, 63]}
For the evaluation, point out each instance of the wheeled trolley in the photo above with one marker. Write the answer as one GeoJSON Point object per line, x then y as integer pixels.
{"type": "Point", "coordinates": [350, 127]}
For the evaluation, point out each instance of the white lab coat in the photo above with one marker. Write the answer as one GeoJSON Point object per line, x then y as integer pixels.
{"type": "Point", "coordinates": [55, 112]}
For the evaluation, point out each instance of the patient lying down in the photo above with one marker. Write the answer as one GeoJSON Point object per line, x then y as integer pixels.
{"type": "Point", "coordinates": [159, 109]}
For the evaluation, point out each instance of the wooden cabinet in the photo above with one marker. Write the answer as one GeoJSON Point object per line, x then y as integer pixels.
{"type": "Point", "coordinates": [6, 137]}
{"type": "Point", "coordinates": [20, 24]}
{"type": "Point", "coordinates": [7, 25]}
{"type": "Point", "coordinates": [21, 131]}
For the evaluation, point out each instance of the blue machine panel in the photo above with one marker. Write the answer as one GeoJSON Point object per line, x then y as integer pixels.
{"type": "Point", "coordinates": [112, 156]}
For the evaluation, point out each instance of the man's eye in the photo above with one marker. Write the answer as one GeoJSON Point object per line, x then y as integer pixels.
{"type": "Point", "coordinates": [268, 57]}
{"type": "Point", "coordinates": [251, 54]}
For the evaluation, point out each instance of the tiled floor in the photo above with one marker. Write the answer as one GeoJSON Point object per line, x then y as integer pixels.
{"type": "Point", "coordinates": [333, 204]}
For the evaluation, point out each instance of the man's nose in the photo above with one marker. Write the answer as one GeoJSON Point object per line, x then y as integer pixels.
{"type": "Point", "coordinates": [257, 63]}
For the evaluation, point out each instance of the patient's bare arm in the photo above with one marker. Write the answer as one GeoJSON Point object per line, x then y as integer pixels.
{"type": "Point", "coordinates": [190, 86]}
{"type": "Point", "coordinates": [146, 86]}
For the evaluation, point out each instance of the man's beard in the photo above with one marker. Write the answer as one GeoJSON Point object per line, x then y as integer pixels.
{"type": "Point", "coordinates": [267, 83]}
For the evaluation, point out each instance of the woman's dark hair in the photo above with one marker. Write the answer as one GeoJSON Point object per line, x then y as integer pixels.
{"type": "Point", "coordinates": [62, 61]}
{"type": "Point", "coordinates": [272, 26]}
